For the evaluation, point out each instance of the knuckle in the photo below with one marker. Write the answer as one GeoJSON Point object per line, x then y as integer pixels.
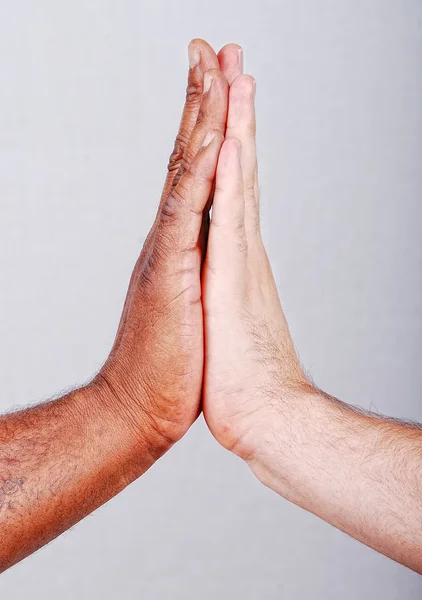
{"type": "Point", "coordinates": [176, 156]}
{"type": "Point", "coordinates": [175, 161]}
{"type": "Point", "coordinates": [191, 169]}
{"type": "Point", "coordinates": [171, 207]}
{"type": "Point", "coordinates": [193, 93]}
{"type": "Point", "coordinates": [237, 226]}
{"type": "Point", "coordinates": [255, 225]}
{"type": "Point", "coordinates": [184, 199]}
{"type": "Point", "coordinates": [194, 178]}
{"type": "Point", "coordinates": [188, 157]}
{"type": "Point", "coordinates": [251, 188]}
{"type": "Point", "coordinates": [202, 116]}
{"type": "Point", "coordinates": [242, 244]}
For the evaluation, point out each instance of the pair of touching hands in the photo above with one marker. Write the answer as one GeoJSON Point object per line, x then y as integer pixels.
{"type": "Point", "coordinates": [202, 327]}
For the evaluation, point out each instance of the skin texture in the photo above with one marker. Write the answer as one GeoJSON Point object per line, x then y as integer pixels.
{"type": "Point", "coordinates": [159, 344]}
{"type": "Point", "coordinates": [361, 473]}
{"type": "Point", "coordinates": [62, 459]}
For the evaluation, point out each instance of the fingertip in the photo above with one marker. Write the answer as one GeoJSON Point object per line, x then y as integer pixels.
{"type": "Point", "coordinates": [233, 50]}
{"type": "Point", "coordinates": [198, 42]}
{"type": "Point", "coordinates": [230, 59]}
{"type": "Point", "coordinates": [229, 46]}
{"type": "Point", "coordinates": [194, 54]}
{"type": "Point", "coordinates": [243, 85]}
{"type": "Point", "coordinates": [202, 53]}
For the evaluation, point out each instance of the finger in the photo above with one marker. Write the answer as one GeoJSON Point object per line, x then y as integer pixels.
{"type": "Point", "coordinates": [241, 124]}
{"type": "Point", "coordinates": [181, 215]}
{"type": "Point", "coordinates": [230, 59]}
{"type": "Point", "coordinates": [214, 113]}
{"type": "Point", "coordinates": [227, 239]}
{"type": "Point", "coordinates": [212, 116]}
{"type": "Point", "coordinates": [201, 58]}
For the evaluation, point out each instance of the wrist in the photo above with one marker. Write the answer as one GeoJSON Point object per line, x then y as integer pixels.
{"type": "Point", "coordinates": [130, 439]}
{"type": "Point", "coordinates": [287, 446]}
{"type": "Point", "coordinates": [313, 443]}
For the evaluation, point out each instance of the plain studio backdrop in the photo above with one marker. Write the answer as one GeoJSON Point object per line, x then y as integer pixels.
{"type": "Point", "coordinates": [90, 100]}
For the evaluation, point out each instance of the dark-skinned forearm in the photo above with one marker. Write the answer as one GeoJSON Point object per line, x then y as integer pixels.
{"type": "Point", "coordinates": [61, 460]}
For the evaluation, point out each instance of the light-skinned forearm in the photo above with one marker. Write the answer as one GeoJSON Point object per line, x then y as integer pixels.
{"type": "Point", "coordinates": [61, 460]}
{"type": "Point", "coordinates": [361, 473]}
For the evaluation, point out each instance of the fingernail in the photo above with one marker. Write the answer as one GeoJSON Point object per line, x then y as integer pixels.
{"type": "Point", "coordinates": [254, 87]}
{"type": "Point", "coordinates": [208, 139]}
{"type": "Point", "coordinates": [194, 56]}
{"type": "Point", "coordinates": [240, 50]}
{"type": "Point", "coordinates": [207, 82]}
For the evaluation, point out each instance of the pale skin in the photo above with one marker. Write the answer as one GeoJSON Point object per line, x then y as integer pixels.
{"type": "Point", "coordinates": [202, 327]}
{"type": "Point", "coordinates": [361, 473]}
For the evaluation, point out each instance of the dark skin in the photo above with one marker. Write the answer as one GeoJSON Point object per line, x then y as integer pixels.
{"type": "Point", "coordinates": [60, 460]}
{"type": "Point", "coordinates": [162, 316]}
{"type": "Point", "coordinates": [203, 327]}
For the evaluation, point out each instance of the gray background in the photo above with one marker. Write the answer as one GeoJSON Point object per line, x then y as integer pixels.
{"type": "Point", "coordinates": [90, 98]}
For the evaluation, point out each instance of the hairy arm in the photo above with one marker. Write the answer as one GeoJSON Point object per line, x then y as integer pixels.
{"type": "Point", "coordinates": [360, 472]}
{"type": "Point", "coordinates": [61, 460]}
